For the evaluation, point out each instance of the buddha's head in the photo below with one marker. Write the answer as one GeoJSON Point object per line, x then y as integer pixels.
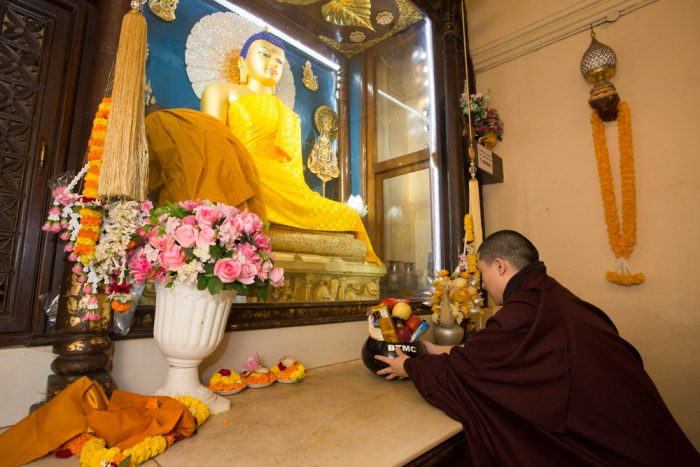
{"type": "Point", "coordinates": [262, 60]}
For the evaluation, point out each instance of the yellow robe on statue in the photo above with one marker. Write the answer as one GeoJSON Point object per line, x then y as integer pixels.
{"type": "Point", "coordinates": [272, 134]}
{"type": "Point", "coordinates": [193, 156]}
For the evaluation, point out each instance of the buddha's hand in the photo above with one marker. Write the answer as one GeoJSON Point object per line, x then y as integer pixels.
{"type": "Point", "coordinates": [395, 368]}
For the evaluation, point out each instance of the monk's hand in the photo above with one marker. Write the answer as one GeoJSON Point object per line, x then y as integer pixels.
{"type": "Point", "coordinates": [395, 368]}
{"type": "Point", "coordinates": [432, 349]}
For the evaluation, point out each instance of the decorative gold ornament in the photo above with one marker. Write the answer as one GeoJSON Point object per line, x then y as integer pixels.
{"type": "Point", "coordinates": [308, 78]}
{"type": "Point", "coordinates": [408, 15]}
{"type": "Point", "coordinates": [384, 18]}
{"type": "Point", "coordinates": [325, 119]}
{"type": "Point", "coordinates": [599, 62]}
{"type": "Point", "coordinates": [323, 161]}
{"type": "Point", "coordinates": [349, 13]}
{"type": "Point", "coordinates": [299, 2]}
{"type": "Point", "coordinates": [357, 36]}
{"type": "Point", "coordinates": [164, 9]}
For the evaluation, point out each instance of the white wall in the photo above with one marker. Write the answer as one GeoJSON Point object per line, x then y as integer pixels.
{"type": "Point", "coordinates": [551, 191]}
{"type": "Point", "coordinates": [138, 366]}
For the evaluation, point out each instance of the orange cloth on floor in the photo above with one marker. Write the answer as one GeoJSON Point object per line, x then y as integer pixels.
{"type": "Point", "coordinates": [194, 156]}
{"type": "Point", "coordinates": [46, 429]}
{"type": "Point", "coordinates": [128, 421]}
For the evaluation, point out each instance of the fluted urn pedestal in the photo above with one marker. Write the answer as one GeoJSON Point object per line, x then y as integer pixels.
{"type": "Point", "coordinates": [189, 325]}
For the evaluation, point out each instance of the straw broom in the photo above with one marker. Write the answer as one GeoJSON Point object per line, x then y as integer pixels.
{"type": "Point", "coordinates": [124, 171]}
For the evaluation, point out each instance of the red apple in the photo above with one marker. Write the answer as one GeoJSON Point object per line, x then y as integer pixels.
{"type": "Point", "coordinates": [404, 334]}
{"type": "Point", "coordinates": [413, 322]}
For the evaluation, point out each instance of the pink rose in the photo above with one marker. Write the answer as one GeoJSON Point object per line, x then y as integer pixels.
{"type": "Point", "coordinates": [247, 251]}
{"type": "Point", "coordinates": [173, 258]}
{"type": "Point", "coordinates": [207, 215]}
{"type": "Point", "coordinates": [262, 240]}
{"type": "Point", "coordinates": [139, 268]}
{"type": "Point", "coordinates": [251, 222]}
{"type": "Point", "coordinates": [190, 205]}
{"type": "Point", "coordinates": [248, 273]}
{"type": "Point", "coordinates": [189, 220]}
{"type": "Point", "coordinates": [146, 206]}
{"type": "Point", "coordinates": [227, 270]}
{"type": "Point", "coordinates": [228, 211]}
{"type": "Point", "coordinates": [205, 237]}
{"type": "Point", "coordinates": [162, 242]}
{"type": "Point", "coordinates": [185, 235]}
{"type": "Point", "coordinates": [277, 277]}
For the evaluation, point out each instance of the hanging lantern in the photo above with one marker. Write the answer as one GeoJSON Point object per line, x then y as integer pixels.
{"type": "Point", "coordinates": [598, 65]}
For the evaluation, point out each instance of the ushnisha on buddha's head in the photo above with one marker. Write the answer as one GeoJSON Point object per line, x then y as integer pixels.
{"type": "Point", "coordinates": [261, 62]}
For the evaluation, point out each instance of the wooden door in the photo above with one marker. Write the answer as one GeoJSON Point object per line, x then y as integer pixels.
{"type": "Point", "coordinates": [40, 57]}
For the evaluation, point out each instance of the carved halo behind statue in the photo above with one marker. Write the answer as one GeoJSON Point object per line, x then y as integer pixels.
{"type": "Point", "coordinates": [212, 52]}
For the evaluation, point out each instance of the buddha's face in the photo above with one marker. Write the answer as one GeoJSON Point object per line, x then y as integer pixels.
{"type": "Point", "coordinates": [264, 63]}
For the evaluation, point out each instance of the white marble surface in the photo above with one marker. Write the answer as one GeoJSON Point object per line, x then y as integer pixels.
{"type": "Point", "coordinates": [339, 415]}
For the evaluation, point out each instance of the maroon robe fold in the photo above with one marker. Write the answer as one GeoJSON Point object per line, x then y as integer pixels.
{"type": "Point", "coordinates": [549, 382]}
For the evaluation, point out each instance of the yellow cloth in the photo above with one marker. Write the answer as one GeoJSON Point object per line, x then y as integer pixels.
{"type": "Point", "coordinates": [272, 134]}
{"type": "Point", "coordinates": [258, 164]}
{"type": "Point", "coordinates": [46, 429]}
{"type": "Point", "coordinates": [190, 158]}
{"type": "Point", "coordinates": [129, 419]}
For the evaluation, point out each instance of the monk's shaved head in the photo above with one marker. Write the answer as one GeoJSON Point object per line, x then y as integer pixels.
{"type": "Point", "coordinates": [509, 245]}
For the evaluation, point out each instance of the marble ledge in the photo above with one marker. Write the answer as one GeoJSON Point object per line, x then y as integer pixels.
{"type": "Point", "coordinates": [340, 415]}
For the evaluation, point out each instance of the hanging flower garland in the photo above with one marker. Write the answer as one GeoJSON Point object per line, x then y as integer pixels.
{"type": "Point", "coordinates": [98, 234]}
{"type": "Point", "coordinates": [622, 236]}
{"type": "Point", "coordinates": [91, 219]}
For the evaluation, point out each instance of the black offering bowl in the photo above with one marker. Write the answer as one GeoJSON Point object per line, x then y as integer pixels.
{"type": "Point", "coordinates": [374, 347]}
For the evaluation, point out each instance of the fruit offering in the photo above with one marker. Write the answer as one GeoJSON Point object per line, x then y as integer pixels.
{"type": "Point", "coordinates": [226, 380]}
{"type": "Point", "coordinates": [255, 374]}
{"type": "Point", "coordinates": [288, 370]}
{"type": "Point", "coordinates": [393, 321]}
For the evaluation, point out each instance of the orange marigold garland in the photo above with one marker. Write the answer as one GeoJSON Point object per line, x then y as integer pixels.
{"type": "Point", "coordinates": [622, 236]}
{"type": "Point", "coordinates": [97, 233]}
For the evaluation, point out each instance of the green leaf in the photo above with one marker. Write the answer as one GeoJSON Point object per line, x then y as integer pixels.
{"type": "Point", "coordinates": [126, 461]}
{"type": "Point", "coordinates": [172, 210]}
{"type": "Point", "coordinates": [216, 252]}
{"type": "Point", "coordinates": [262, 293]}
{"type": "Point", "coordinates": [209, 268]}
{"type": "Point", "coordinates": [242, 289]}
{"type": "Point", "coordinates": [202, 281]}
{"type": "Point", "coordinates": [215, 285]}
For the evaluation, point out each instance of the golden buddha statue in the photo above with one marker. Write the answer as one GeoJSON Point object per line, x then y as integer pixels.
{"type": "Point", "coordinates": [244, 149]}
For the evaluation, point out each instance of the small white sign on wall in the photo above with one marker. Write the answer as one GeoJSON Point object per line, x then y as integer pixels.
{"type": "Point", "coordinates": [484, 159]}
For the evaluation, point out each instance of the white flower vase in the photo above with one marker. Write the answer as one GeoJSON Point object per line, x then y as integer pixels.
{"type": "Point", "coordinates": [189, 325]}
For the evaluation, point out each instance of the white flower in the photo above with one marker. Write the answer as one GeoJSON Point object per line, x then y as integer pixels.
{"type": "Point", "coordinates": [202, 253]}
{"type": "Point", "coordinates": [355, 202]}
{"type": "Point", "coordinates": [188, 272]}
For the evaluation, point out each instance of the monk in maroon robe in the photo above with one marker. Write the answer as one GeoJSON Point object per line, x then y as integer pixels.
{"type": "Point", "coordinates": [548, 381]}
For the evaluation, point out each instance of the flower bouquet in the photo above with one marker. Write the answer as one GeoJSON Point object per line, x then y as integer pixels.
{"type": "Point", "coordinates": [485, 121]}
{"type": "Point", "coordinates": [211, 245]}
{"type": "Point", "coordinates": [98, 233]}
{"type": "Point", "coordinates": [457, 295]}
